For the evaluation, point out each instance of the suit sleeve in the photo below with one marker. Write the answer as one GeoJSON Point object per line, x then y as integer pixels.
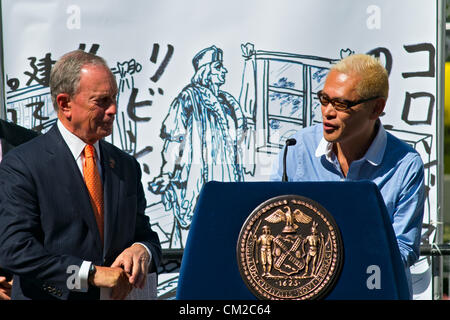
{"type": "Point", "coordinates": [21, 236]}
{"type": "Point", "coordinates": [143, 232]}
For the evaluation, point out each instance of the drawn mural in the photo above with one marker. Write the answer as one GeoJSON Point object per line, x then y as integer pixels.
{"type": "Point", "coordinates": [198, 127]}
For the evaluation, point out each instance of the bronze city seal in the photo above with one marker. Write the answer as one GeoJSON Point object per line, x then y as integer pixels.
{"type": "Point", "coordinates": [290, 247]}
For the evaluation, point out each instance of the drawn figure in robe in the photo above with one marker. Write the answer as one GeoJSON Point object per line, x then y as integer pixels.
{"type": "Point", "coordinates": [202, 132]}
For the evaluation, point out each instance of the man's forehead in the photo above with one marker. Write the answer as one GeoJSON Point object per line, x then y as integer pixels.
{"type": "Point", "coordinates": [89, 68]}
{"type": "Point", "coordinates": [96, 72]}
{"type": "Point", "coordinates": [341, 81]}
{"type": "Point", "coordinates": [342, 77]}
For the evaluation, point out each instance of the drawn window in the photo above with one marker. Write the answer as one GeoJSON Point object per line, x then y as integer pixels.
{"type": "Point", "coordinates": [285, 75]}
{"type": "Point", "coordinates": [279, 92]}
{"type": "Point", "coordinates": [285, 99]}
{"type": "Point", "coordinates": [318, 76]}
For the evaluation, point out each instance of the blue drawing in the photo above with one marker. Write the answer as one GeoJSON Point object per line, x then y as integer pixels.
{"type": "Point", "coordinates": [125, 132]}
{"type": "Point", "coordinates": [202, 132]}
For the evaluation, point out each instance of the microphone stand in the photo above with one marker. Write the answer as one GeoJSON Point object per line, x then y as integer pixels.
{"type": "Point", "coordinates": [289, 142]}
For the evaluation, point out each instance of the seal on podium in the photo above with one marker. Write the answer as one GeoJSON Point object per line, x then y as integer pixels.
{"type": "Point", "coordinates": [290, 248]}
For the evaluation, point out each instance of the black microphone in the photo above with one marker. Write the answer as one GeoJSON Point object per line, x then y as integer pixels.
{"type": "Point", "coordinates": [289, 142]}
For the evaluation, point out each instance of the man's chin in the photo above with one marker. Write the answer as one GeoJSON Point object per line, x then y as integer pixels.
{"type": "Point", "coordinates": [331, 136]}
{"type": "Point", "coordinates": [104, 132]}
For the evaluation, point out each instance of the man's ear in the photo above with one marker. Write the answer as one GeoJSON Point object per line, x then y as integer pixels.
{"type": "Point", "coordinates": [378, 108]}
{"type": "Point", "coordinates": [63, 101]}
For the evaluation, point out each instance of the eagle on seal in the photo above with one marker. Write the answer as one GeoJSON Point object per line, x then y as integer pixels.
{"type": "Point", "coordinates": [288, 216]}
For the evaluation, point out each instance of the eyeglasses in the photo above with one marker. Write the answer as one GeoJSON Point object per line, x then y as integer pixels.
{"type": "Point", "coordinates": [340, 104]}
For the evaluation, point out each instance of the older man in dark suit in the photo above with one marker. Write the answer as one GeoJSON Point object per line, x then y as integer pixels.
{"type": "Point", "coordinates": [72, 220]}
{"type": "Point", "coordinates": [11, 135]}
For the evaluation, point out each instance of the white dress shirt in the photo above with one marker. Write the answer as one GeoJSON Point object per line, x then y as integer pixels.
{"type": "Point", "coordinates": [76, 146]}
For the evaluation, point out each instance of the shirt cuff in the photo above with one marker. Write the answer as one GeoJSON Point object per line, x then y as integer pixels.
{"type": "Point", "coordinates": [83, 275]}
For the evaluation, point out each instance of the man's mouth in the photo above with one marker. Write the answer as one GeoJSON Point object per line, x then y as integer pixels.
{"type": "Point", "coordinates": [327, 126]}
{"type": "Point", "coordinates": [108, 124]}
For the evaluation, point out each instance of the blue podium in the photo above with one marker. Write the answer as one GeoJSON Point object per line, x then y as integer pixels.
{"type": "Point", "coordinates": [209, 269]}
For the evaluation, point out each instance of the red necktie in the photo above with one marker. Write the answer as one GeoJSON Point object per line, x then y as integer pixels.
{"type": "Point", "coordinates": [94, 185]}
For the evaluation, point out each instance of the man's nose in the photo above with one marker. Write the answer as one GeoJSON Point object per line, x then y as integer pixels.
{"type": "Point", "coordinates": [112, 109]}
{"type": "Point", "coordinates": [328, 110]}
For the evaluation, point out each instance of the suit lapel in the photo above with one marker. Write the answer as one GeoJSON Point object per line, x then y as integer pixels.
{"type": "Point", "coordinates": [111, 190]}
{"type": "Point", "coordinates": [66, 171]}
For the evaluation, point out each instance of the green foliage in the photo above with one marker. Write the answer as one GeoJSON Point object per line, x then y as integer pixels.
{"type": "Point", "coordinates": [447, 7]}
{"type": "Point", "coordinates": [446, 236]}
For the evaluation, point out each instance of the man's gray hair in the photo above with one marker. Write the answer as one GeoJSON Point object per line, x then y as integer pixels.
{"type": "Point", "coordinates": [66, 73]}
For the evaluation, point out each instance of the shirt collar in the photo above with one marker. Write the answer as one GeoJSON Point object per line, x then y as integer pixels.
{"type": "Point", "coordinates": [374, 154]}
{"type": "Point", "coordinates": [324, 148]}
{"type": "Point", "coordinates": [75, 144]}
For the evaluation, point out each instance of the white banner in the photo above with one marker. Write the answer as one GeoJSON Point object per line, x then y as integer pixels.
{"type": "Point", "coordinates": [274, 58]}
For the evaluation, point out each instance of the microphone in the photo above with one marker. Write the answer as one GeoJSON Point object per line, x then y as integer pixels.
{"type": "Point", "coordinates": [289, 142]}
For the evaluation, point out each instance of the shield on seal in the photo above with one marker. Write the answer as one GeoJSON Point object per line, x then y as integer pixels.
{"type": "Point", "coordinates": [289, 254]}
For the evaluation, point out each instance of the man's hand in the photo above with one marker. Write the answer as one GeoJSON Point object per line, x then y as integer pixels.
{"type": "Point", "coordinates": [5, 288]}
{"type": "Point", "coordinates": [135, 261]}
{"type": "Point", "coordinates": [114, 278]}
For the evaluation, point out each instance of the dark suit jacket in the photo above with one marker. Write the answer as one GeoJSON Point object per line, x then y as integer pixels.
{"type": "Point", "coordinates": [12, 135]}
{"type": "Point", "coordinates": [47, 222]}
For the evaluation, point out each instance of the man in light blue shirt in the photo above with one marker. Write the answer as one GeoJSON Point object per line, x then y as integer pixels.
{"type": "Point", "coordinates": [352, 144]}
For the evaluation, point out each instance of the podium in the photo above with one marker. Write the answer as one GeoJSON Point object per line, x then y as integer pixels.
{"type": "Point", "coordinates": [209, 269]}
